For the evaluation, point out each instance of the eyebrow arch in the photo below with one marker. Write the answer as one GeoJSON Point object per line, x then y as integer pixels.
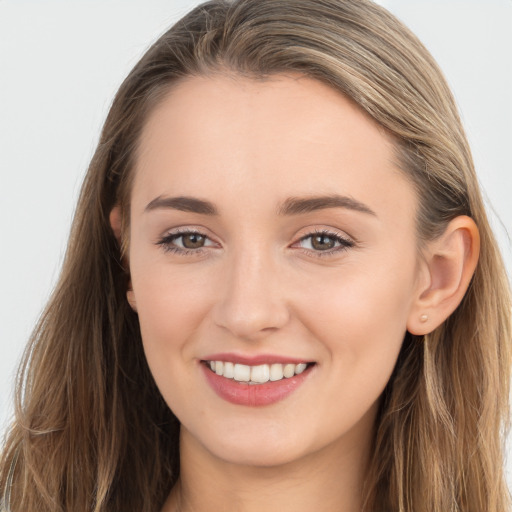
{"type": "Point", "coordinates": [183, 203]}
{"type": "Point", "coordinates": [300, 205]}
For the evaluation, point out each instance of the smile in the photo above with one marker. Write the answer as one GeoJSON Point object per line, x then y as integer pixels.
{"type": "Point", "coordinates": [255, 385]}
{"type": "Point", "coordinates": [256, 374]}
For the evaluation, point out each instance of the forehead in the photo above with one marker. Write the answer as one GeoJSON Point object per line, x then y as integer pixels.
{"type": "Point", "coordinates": [285, 135]}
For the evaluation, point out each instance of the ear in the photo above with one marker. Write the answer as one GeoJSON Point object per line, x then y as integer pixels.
{"type": "Point", "coordinates": [116, 225]}
{"type": "Point", "coordinates": [130, 297]}
{"type": "Point", "coordinates": [447, 268]}
{"type": "Point", "coordinates": [116, 222]}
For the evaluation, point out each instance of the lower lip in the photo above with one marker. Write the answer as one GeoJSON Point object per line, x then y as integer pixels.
{"type": "Point", "coordinates": [242, 393]}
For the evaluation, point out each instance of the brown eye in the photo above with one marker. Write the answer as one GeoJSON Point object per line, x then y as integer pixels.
{"type": "Point", "coordinates": [186, 243]}
{"type": "Point", "coordinates": [322, 242]}
{"type": "Point", "coordinates": [193, 240]}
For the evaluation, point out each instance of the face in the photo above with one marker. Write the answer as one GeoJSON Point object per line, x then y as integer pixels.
{"type": "Point", "coordinates": [270, 230]}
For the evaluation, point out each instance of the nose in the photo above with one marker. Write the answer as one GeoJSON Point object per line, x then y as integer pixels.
{"type": "Point", "coordinates": [251, 302]}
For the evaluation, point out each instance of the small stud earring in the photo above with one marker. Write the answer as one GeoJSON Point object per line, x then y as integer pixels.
{"type": "Point", "coordinates": [423, 318]}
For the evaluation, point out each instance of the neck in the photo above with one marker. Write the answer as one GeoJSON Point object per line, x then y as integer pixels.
{"type": "Point", "coordinates": [323, 481]}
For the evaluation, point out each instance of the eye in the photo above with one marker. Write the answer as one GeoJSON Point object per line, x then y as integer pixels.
{"type": "Point", "coordinates": [190, 241]}
{"type": "Point", "coordinates": [324, 242]}
{"type": "Point", "coordinates": [185, 242]}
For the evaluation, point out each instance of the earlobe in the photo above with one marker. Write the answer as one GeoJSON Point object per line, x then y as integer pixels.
{"type": "Point", "coordinates": [130, 296]}
{"type": "Point", "coordinates": [449, 262]}
{"type": "Point", "coordinates": [115, 222]}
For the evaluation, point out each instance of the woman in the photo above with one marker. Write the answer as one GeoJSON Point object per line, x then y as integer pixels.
{"type": "Point", "coordinates": [281, 289]}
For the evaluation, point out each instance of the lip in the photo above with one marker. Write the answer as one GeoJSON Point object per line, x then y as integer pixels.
{"type": "Point", "coordinates": [253, 395]}
{"type": "Point", "coordinates": [253, 360]}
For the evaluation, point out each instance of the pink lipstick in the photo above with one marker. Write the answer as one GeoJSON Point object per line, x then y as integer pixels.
{"type": "Point", "coordinates": [254, 381]}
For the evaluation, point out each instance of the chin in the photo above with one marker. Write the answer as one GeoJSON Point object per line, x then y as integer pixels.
{"type": "Point", "coordinates": [258, 446]}
{"type": "Point", "coordinates": [258, 457]}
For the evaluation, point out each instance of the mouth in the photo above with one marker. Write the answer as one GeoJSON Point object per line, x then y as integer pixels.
{"type": "Point", "coordinates": [255, 385]}
{"type": "Point", "coordinates": [258, 374]}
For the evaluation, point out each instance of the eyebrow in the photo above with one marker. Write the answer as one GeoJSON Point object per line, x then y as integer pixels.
{"type": "Point", "coordinates": [292, 205]}
{"type": "Point", "coordinates": [183, 203]}
{"type": "Point", "coordinates": [301, 205]}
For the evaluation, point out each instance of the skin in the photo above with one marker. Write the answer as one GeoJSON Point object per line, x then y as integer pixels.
{"type": "Point", "coordinates": [259, 286]}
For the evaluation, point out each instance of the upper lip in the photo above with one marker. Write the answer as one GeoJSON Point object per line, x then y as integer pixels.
{"type": "Point", "coordinates": [254, 360]}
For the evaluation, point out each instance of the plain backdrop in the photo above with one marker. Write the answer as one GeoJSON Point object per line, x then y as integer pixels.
{"type": "Point", "coordinates": [61, 63]}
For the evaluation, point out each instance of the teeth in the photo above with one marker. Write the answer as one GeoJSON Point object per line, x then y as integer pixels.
{"type": "Point", "coordinates": [300, 368]}
{"type": "Point", "coordinates": [242, 373]}
{"type": "Point", "coordinates": [276, 372]}
{"type": "Point", "coordinates": [229, 370]}
{"type": "Point", "coordinates": [260, 374]}
{"type": "Point", "coordinates": [289, 370]}
{"type": "Point", "coordinates": [256, 374]}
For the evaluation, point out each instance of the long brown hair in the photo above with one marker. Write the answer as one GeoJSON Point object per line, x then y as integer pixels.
{"type": "Point", "coordinates": [92, 432]}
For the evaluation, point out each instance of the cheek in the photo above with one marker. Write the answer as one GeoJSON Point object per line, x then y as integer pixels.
{"type": "Point", "coordinates": [361, 321]}
{"type": "Point", "coordinates": [170, 311]}
{"type": "Point", "coordinates": [170, 305]}
{"type": "Point", "coordinates": [359, 298]}
{"type": "Point", "coordinates": [361, 316]}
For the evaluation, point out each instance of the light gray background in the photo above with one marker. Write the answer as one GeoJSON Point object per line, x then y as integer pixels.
{"type": "Point", "coordinates": [61, 63]}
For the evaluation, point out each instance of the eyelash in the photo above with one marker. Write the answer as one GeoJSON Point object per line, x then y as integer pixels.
{"type": "Point", "coordinates": [345, 243]}
{"type": "Point", "coordinates": [167, 240]}
{"type": "Point", "coordinates": [167, 243]}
